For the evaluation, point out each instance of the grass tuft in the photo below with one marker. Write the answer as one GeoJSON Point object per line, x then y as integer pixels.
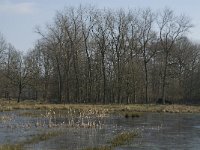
{"type": "Point", "coordinates": [120, 139]}
{"type": "Point", "coordinates": [11, 147]}
{"type": "Point", "coordinates": [32, 140]}
{"type": "Point", "coordinates": [5, 118]}
{"type": "Point", "coordinates": [130, 114]}
{"type": "Point", "coordinates": [40, 137]}
{"type": "Point", "coordinates": [123, 138]}
{"type": "Point", "coordinates": [100, 148]}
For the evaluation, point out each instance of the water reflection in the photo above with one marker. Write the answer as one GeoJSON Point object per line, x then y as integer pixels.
{"type": "Point", "coordinates": [157, 131]}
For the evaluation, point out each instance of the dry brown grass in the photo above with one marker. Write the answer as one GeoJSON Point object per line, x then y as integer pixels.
{"type": "Point", "coordinates": [12, 105]}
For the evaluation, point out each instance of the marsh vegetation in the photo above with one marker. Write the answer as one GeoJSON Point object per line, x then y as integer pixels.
{"type": "Point", "coordinates": [105, 126]}
{"type": "Point", "coordinates": [59, 130]}
{"type": "Point", "coordinates": [32, 140]}
{"type": "Point", "coordinates": [119, 140]}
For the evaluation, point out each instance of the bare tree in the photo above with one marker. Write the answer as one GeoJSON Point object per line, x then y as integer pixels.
{"type": "Point", "coordinates": [171, 29]}
{"type": "Point", "coordinates": [101, 38]}
{"type": "Point", "coordinates": [147, 38]}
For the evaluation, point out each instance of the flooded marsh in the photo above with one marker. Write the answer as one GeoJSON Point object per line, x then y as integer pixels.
{"type": "Point", "coordinates": [81, 130]}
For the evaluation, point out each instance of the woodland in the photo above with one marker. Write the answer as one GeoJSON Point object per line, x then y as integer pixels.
{"type": "Point", "coordinates": [102, 56]}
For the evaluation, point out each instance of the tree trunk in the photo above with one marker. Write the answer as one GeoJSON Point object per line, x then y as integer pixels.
{"type": "Point", "coordinates": [20, 92]}
{"type": "Point", "coordinates": [164, 78]}
{"type": "Point", "coordinates": [89, 72]}
{"type": "Point", "coordinates": [77, 96]}
{"type": "Point", "coordinates": [118, 79]}
{"type": "Point", "coordinates": [59, 81]}
{"type": "Point", "coordinates": [146, 81]}
{"type": "Point", "coordinates": [104, 77]}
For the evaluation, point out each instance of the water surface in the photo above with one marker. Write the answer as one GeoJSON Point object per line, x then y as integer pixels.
{"type": "Point", "coordinates": [158, 131]}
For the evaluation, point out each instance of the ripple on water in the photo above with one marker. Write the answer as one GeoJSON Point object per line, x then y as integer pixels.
{"type": "Point", "coordinates": [198, 126]}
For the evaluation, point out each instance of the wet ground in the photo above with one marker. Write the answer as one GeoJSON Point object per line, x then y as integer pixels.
{"type": "Point", "coordinates": [156, 131]}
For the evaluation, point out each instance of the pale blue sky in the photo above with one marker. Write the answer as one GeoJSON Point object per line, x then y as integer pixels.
{"type": "Point", "coordinates": [18, 18]}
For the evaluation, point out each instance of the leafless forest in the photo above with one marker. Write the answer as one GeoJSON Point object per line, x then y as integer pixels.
{"type": "Point", "coordinates": [87, 55]}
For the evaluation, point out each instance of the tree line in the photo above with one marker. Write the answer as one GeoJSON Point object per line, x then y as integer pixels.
{"type": "Point", "coordinates": [90, 55]}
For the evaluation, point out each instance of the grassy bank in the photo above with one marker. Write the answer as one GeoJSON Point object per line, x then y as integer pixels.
{"type": "Point", "coordinates": [111, 108]}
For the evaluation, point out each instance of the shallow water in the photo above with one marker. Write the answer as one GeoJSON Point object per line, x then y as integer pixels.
{"type": "Point", "coordinates": [158, 131]}
{"type": "Point", "coordinates": [167, 131]}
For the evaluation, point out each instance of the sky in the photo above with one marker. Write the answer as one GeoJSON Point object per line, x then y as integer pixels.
{"type": "Point", "coordinates": [19, 18]}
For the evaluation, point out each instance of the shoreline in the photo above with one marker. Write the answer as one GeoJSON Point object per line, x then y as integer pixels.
{"type": "Point", "coordinates": [108, 108]}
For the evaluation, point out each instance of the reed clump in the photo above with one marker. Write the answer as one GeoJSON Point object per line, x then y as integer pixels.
{"type": "Point", "coordinates": [119, 140]}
